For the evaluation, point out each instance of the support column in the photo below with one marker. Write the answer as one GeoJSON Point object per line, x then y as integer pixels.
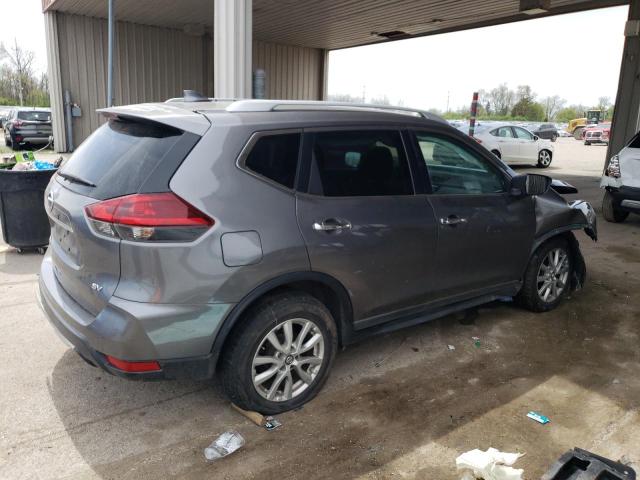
{"type": "Point", "coordinates": [55, 81]}
{"type": "Point", "coordinates": [324, 80]}
{"type": "Point", "coordinates": [626, 116]}
{"type": "Point", "coordinates": [232, 48]}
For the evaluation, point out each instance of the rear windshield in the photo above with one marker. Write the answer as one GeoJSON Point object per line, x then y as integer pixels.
{"type": "Point", "coordinates": [118, 157]}
{"type": "Point", "coordinates": [35, 116]}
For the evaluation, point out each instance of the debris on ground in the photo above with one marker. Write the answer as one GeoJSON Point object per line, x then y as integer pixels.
{"type": "Point", "coordinates": [538, 417]}
{"type": "Point", "coordinates": [490, 465]}
{"type": "Point", "coordinates": [224, 445]}
{"type": "Point", "coordinates": [476, 341]}
{"type": "Point", "coordinates": [266, 422]}
{"type": "Point", "coordinates": [451, 347]}
{"type": "Point", "coordinates": [578, 464]}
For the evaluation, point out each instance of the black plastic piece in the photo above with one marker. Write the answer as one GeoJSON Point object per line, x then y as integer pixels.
{"type": "Point", "coordinates": [578, 464]}
{"type": "Point", "coordinates": [24, 220]}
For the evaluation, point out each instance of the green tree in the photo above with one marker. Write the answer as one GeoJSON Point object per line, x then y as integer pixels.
{"type": "Point", "coordinates": [568, 113]}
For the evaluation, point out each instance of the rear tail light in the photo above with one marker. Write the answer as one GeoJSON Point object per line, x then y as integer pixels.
{"type": "Point", "coordinates": [613, 169]}
{"type": "Point", "coordinates": [133, 367]}
{"type": "Point", "coordinates": [159, 217]}
{"type": "Point", "coordinates": [18, 138]}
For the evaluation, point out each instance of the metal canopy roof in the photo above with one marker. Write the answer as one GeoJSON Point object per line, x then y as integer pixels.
{"type": "Point", "coordinates": [329, 24]}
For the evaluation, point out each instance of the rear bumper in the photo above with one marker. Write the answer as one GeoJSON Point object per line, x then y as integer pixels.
{"type": "Point", "coordinates": [29, 137]}
{"type": "Point", "coordinates": [180, 339]}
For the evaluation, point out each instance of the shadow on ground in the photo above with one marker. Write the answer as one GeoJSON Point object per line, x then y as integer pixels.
{"type": "Point", "coordinates": [368, 418]}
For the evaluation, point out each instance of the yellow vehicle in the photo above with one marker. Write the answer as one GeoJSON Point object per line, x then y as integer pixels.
{"type": "Point", "coordinates": [577, 125]}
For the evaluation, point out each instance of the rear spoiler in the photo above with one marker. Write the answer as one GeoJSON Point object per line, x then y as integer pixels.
{"type": "Point", "coordinates": [167, 114]}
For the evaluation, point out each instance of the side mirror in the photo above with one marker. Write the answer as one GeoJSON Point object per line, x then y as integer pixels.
{"type": "Point", "coordinates": [529, 184]}
{"type": "Point", "coordinates": [536, 138]}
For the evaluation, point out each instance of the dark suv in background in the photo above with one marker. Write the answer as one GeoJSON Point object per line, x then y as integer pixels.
{"type": "Point", "coordinates": [27, 126]}
{"type": "Point", "coordinates": [254, 238]}
{"type": "Point", "coordinates": [547, 131]}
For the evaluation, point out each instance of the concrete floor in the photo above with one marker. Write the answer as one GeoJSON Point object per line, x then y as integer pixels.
{"type": "Point", "coordinates": [397, 406]}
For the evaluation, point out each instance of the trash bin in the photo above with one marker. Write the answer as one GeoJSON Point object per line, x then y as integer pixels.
{"type": "Point", "coordinates": [23, 218]}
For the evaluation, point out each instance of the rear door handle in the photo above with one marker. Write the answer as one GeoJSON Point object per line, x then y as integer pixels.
{"type": "Point", "coordinates": [452, 220]}
{"type": "Point", "coordinates": [331, 225]}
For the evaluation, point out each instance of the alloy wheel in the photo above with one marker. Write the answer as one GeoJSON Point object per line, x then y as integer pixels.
{"type": "Point", "coordinates": [553, 275]}
{"type": "Point", "coordinates": [288, 360]}
{"type": "Point", "coordinates": [545, 158]}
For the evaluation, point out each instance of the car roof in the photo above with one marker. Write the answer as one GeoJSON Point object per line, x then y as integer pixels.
{"type": "Point", "coordinates": [197, 116]}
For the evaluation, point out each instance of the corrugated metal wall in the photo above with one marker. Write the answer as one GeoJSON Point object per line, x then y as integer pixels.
{"type": "Point", "coordinates": [154, 63]}
{"type": "Point", "coordinates": [291, 72]}
{"type": "Point", "coordinates": [150, 63]}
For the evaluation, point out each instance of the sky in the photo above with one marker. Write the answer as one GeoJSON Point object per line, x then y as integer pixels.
{"type": "Point", "coordinates": [23, 19]}
{"type": "Point", "coordinates": [422, 72]}
{"type": "Point", "coordinates": [543, 53]}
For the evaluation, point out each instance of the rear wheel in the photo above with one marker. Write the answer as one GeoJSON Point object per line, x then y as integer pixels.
{"type": "Point", "coordinates": [588, 144]}
{"type": "Point", "coordinates": [547, 278]}
{"type": "Point", "coordinates": [544, 158]}
{"type": "Point", "coordinates": [577, 133]}
{"type": "Point", "coordinates": [610, 211]}
{"type": "Point", "coordinates": [280, 356]}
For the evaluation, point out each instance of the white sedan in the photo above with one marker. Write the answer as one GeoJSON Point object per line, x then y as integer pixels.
{"type": "Point", "coordinates": [516, 145]}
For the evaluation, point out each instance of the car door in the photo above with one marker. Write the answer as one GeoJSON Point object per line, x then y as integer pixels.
{"type": "Point", "coordinates": [509, 145]}
{"type": "Point", "coordinates": [362, 223]}
{"type": "Point", "coordinates": [528, 146]}
{"type": "Point", "coordinates": [484, 234]}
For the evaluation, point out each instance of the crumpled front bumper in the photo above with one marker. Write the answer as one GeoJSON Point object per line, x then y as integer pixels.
{"type": "Point", "coordinates": [589, 213]}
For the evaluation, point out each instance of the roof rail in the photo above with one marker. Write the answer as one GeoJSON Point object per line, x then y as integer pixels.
{"type": "Point", "coordinates": [300, 105]}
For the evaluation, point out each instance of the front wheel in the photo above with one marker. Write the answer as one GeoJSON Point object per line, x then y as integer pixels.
{"type": "Point", "coordinates": [544, 158]}
{"type": "Point", "coordinates": [280, 356]}
{"type": "Point", "coordinates": [548, 276]}
{"type": "Point", "coordinates": [609, 210]}
{"type": "Point", "coordinates": [554, 138]}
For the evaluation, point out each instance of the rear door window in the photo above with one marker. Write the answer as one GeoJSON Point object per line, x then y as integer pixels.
{"type": "Point", "coordinates": [503, 132]}
{"type": "Point", "coordinates": [359, 163]}
{"type": "Point", "coordinates": [275, 157]}
{"type": "Point", "coordinates": [118, 157]}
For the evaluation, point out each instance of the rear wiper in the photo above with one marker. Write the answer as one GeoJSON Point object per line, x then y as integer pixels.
{"type": "Point", "coordinates": [73, 178]}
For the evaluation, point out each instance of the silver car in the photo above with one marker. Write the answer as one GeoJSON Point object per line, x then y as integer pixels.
{"type": "Point", "coordinates": [252, 239]}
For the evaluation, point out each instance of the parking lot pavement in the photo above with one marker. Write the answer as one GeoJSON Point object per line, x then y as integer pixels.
{"type": "Point", "coordinates": [402, 405]}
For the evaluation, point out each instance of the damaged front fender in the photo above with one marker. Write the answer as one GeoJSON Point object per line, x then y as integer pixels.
{"type": "Point", "coordinates": [554, 216]}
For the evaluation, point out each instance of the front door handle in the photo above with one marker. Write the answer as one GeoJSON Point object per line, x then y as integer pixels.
{"type": "Point", "coordinates": [452, 220]}
{"type": "Point", "coordinates": [331, 225]}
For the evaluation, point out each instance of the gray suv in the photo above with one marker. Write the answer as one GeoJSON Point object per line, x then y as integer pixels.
{"type": "Point", "coordinates": [252, 239]}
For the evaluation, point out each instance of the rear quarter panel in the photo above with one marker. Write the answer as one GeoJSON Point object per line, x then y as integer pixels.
{"type": "Point", "coordinates": [238, 202]}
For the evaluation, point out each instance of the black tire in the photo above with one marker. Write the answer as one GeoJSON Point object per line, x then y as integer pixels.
{"type": "Point", "coordinates": [588, 144]}
{"type": "Point", "coordinates": [609, 210]}
{"type": "Point", "coordinates": [543, 160]}
{"type": "Point", "coordinates": [554, 138]}
{"type": "Point", "coordinates": [246, 338]}
{"type": "Point", "coordinates": [577, 133]}
{"type": "Point", "coordinates": [496, 153]}
{"type": "Point", "coordinates": [529, 297]}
